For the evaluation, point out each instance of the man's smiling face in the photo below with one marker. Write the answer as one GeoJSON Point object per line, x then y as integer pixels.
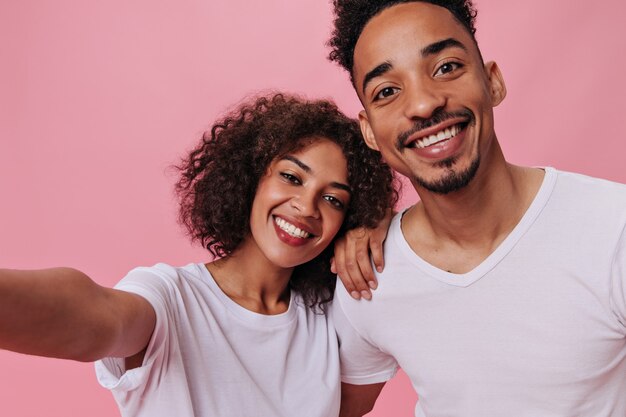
{"type": "Point", "coordinates": [427, 95]}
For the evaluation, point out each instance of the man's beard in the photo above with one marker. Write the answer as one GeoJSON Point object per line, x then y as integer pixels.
{"type": "Point", "coordinates": [452, 180]}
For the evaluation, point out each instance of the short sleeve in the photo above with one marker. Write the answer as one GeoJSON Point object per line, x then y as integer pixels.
{"type": "Point", "coordinates": [618, 281]}
{"type": "Point", "coordinates": [361, 361]}
{"type": "Point", "coordinates": [154, 284]}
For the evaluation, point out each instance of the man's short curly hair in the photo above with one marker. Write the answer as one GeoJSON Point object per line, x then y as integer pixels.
{"type": "Point", "coordinates": [219, 177]}
{"type": "Point", "coordinates": [351, 16]}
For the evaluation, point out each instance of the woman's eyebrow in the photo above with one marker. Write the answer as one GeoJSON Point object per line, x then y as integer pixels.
{"type": "Point", "coordinates": [308, 170]}
{"type": "Point", "coordinates": [341, 186]}
{"type": "Point", "coordinates": [298, 162]}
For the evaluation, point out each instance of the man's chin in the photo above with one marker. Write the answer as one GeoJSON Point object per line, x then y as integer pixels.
{"type": "Point", "coordinates": [452, 180]}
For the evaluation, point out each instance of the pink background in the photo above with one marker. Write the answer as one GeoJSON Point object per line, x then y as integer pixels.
{"type": "Point", "coordinates": [97, 99]}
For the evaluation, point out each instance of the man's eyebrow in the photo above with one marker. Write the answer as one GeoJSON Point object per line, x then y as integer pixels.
{"type": "Point", "coordinates": [436, 47]}
{"type": "Point", "coordinates": [432, 49]}
{"type": "Point", "coordinates": [308, 170]}
{"type": "Point", "coordinates": [376, 72]}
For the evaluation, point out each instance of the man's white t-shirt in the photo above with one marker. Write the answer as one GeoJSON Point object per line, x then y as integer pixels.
{"type": "Point", "coordinates": [208, 356]}
{"type": "Point", "coordinates": [536, 330]}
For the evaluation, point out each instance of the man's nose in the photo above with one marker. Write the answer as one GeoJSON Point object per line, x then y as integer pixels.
{"type": "Point", "coordinates": [422, 99]}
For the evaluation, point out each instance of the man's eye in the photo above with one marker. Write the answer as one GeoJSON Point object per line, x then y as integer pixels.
{"type": "Point", "coordinates": [448, 67]}
{"type": "Point", "coordinates": [334, 201]}
{"type": "Point", "coordinates": [385, 92]}
{"type": "Point", "coordinates": [290, 177]}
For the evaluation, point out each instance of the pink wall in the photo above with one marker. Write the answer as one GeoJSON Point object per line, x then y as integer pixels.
{"type": "Point", "coordinates": [98, 98]}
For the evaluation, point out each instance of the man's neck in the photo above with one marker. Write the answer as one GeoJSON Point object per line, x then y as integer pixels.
{"type": "Point", "coordinates": [469, 224]}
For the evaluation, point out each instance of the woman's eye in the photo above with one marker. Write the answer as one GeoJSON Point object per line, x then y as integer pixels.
{"type": "Point", "coordinates": [385, 92]}
{"type": "Point", "coordinates": [334, 201]}
{"type": "Point", "coordinates": [447, 68]}
{"type": "Point", "coordinates": [290, 177]}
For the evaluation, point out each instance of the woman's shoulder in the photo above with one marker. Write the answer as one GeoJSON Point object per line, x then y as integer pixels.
{"type": "Point", "coordinates": [162, 276]}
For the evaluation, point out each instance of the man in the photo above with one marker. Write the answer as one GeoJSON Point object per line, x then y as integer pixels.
{"type": "Point", "coordinates": [504, 291]}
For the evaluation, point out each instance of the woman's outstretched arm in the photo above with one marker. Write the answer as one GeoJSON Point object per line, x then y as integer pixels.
{"type": "Point", "coordinates": [62, 313]}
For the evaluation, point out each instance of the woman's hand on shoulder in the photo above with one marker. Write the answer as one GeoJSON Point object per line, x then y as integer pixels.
{"type": "Point", "coordinates": [354, 254]}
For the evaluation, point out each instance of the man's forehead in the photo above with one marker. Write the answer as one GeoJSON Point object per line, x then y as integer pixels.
{"type": "Point", "coordinates": [404, 28]}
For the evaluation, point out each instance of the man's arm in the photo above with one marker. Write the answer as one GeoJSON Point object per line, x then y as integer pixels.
{"type": "Point", "coordinates": [618, 284]}
{"type": "Point", "coordinates": [62, 313]}
{"type": "Point", "coordinates": [358, 400]}
{"type": "Point", "coordinates": [364, 366]}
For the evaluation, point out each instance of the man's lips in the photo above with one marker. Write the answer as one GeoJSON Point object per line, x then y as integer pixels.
{"type": "Point", "coordinates": [443, 144]}
{"type": "Point", "coordinates": [435, 134]}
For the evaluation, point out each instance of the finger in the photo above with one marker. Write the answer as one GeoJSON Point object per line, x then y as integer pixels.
{"type": "Point", "coordinates": [342, 271]}
{"type": "Point", "coordinates": [355, 251]}
{"type": "Point", "coordinates": [376, 249]}
{"type": "Point", "coordinates": [365, 264]}
{"type": "Point", "coordinates": [377, 238]}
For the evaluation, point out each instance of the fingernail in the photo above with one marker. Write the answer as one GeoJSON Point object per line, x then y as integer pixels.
{"type": "Point", "coordinates": [366, 295]}
{"type": "Point", "coordinates": [379, 268]}
{"type": "Point", "coordinates": [372, 284]}
{"type": "Point", "coordinates": [356, 295]}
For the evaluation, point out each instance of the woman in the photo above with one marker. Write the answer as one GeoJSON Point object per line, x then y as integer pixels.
{"type": "Point", "coordinates": [266, 191]}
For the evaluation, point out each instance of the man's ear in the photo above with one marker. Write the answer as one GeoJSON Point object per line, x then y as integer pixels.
{"type": "Point", "coordinates": [496, 83]}
{"type": "Point", "coordinates": [366, 131]}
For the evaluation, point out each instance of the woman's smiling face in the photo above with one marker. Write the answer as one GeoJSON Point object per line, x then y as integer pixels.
{"type": "Point", "coordinates": [300, 203]}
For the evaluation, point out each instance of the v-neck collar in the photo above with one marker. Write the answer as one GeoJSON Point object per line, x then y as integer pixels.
{"type": "Point", "coordinates": [468, 278]}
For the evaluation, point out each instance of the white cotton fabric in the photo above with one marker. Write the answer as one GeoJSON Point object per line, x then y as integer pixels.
{"type": "Point", "coordinates": [536, 330]}
{"type": "Point", "coordinates": [208, 356]}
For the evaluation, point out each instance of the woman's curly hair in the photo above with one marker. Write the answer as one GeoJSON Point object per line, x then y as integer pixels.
{"type": "Point", "coordinates": [219, 177]}
{"type": "Point", "coordinates": [351, 16]}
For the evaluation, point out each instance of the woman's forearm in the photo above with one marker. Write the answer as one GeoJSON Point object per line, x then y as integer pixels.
{"type": "Point", "coordinates": [62, 313]}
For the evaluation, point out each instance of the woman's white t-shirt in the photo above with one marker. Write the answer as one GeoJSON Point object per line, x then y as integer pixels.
{"type": "Point", "coordinates": [208, 356]}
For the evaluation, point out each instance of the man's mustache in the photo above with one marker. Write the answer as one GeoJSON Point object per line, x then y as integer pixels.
{"type": "Point", "coordinates": [440, 116]}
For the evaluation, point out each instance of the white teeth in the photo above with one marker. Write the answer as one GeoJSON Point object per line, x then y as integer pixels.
{"type": "Point", "coordinates": [291, 229]}
{"type": "Point", "coordinates": [444, 134]}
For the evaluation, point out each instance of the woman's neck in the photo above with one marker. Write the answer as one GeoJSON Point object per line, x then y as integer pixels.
{"type": "Point", "coordinates": [252, 281]}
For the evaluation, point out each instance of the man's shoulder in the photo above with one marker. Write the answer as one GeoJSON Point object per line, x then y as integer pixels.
{"type": "Point", "coordinates": [590, 183]}
{"type": "Point", "coordinates": [401, 263]}
{"type": "Point", "coordinates": [587, 191]}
